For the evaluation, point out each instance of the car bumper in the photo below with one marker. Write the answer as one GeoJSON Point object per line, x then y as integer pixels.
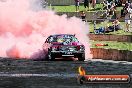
{"type": "Point", "coordinates": [66, 53]}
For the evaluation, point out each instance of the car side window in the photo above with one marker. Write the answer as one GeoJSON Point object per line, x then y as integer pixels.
{"type": "Point", "coordinates": [74, 39]}
{"type": "Point", "coordinates": [49, 39]}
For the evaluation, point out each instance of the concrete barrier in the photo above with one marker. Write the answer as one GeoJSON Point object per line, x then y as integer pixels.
{"type": "Point", "coordinates": [90, 15]}
{"type": "Point", "coordinates": [102, 37]}
{"type": "Point", "coordinates": [111, 54]}
{"type": "Point", "coordinates": [61, 2]}
{"type": "Point", "coordinates": [66, 2]}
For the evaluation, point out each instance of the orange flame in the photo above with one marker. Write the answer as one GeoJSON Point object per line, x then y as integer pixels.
{"type": "Point", "coordinates": [81, 71]}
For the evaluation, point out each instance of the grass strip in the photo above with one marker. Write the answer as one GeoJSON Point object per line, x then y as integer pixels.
{"type": "Point", "coordinates": [112, 45]}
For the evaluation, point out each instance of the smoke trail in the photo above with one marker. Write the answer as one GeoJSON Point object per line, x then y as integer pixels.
{"type": "Point", "coordinates": [24, 28]}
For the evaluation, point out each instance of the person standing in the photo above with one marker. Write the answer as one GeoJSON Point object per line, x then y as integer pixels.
{"type": "Point", "coordinates": [86, 4]}
{"type": "Point", "coordinates": [93, 3]}
{"type": "Point", "coordinates": [128, 16]}
{"type": "Point", "coordinates": [77, 2]}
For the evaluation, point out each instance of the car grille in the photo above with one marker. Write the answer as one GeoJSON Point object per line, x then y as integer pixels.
{"type": "Point", "coordinates": [68, 48]}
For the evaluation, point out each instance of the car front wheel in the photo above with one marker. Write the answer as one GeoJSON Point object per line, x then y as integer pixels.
{"type": "Point", "coordinates": [81, 57]}
{"type": "Point", "coordinates": [50, 56]}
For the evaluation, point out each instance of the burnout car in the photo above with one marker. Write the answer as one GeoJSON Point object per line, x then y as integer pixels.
{"type": "Point", "coordinates": [64, 45]}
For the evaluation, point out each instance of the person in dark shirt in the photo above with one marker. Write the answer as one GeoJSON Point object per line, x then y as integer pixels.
{"type": "Point", "coordinates": [86, 4]}
{"type": "Point", "coordinates": [77, 5]}
{"type": "Point", "coordinates": [83, 16]}
{"type": "Point", "coordinates": [118, 2]}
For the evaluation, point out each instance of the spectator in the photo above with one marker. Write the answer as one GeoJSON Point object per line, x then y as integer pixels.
{"type": "Point", "coordinates": [124, 10]}
{"type": "Point", "coordinates": [86, 4]}
{"type": "Point", "coordinates": [104, 4]}
{"type": "Point", "coordinates": [131, 5]}
{"type": "Point", "coordinates": [112, 11]}
{"type": "Point", "coordinates": [83, 16]}
{"type": "Point", "coordinates": [108, 10]}
{"type": "Point", "coordinates": [115, 27]}
{"type": "Point", "coordinates": [128, 15]}
{"type": "Point", "coordinates": [93, 3]}
{"type": "Point", "coordinates": [117, 24]}
{"type": "Point", "coordinates": [118, 2]}
{"type": "Point", "coordinates": [77, 2]}
{"type": "Point", "coordinates": [113, 8]}
{"type": "Point", "coordinates": [100, 30]}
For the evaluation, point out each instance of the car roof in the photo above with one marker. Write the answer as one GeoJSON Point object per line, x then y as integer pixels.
{"type": "Point", "coordinates": [62, 34]}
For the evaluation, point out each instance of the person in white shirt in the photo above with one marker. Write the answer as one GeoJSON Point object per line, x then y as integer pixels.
{"type": "Point", "coordinates": [128, 17]}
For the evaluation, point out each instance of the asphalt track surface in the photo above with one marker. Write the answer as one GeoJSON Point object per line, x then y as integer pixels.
{"type": "Point", "coordinates": [57, 74]}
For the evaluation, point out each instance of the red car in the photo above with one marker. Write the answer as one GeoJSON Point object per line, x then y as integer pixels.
{"type": "Point", "coordinates": [64, 45]}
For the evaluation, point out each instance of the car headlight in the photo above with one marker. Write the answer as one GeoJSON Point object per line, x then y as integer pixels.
{"type": "Point", "coordinates": [54, 48]}
{"type": "Point", "coordinates": [82, 48]}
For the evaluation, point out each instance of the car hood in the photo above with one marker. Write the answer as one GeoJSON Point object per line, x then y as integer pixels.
{"type": "Point", "coordinates": [71, 43]}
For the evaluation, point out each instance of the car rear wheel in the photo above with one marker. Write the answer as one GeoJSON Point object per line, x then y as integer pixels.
{"type": "Point", "coordinates": [81, 57]}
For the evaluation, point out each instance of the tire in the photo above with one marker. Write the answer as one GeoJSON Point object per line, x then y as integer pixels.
{"type": "Point", "coordinates": [50, 56]}
{"type": "Point", "coordinates": [81, 57]}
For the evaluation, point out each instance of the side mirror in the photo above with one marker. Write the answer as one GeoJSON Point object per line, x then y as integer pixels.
{"type": "Point", "coordinates": [46, 41]}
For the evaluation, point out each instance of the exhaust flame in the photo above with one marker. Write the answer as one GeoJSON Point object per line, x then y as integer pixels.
{"type": "Point", "coordinates": [24, 28]}
{"type": "Point", "coordinates": [81, 71]}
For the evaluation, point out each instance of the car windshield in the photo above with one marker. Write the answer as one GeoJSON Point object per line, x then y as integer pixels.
{"type": "Point", "coordinates": [63, 38]}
